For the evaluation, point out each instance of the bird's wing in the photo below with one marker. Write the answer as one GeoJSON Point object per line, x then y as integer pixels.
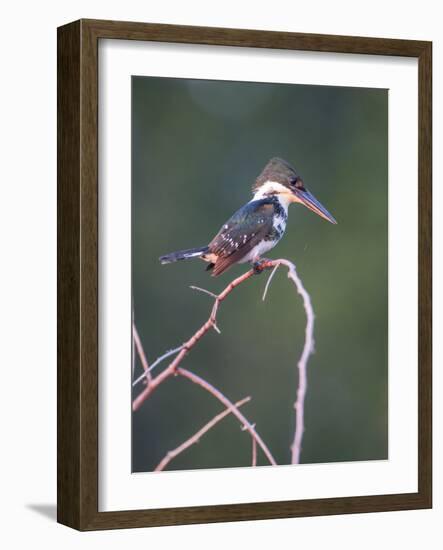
{"type": "Point", "coordinates": [238, 236]}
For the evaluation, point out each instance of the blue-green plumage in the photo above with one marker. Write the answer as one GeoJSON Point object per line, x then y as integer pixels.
{"type": "Point", "coordinates": [250, 227]}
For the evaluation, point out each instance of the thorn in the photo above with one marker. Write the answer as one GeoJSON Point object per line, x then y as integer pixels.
{"type": "Point", "coordinates": [244, 428]}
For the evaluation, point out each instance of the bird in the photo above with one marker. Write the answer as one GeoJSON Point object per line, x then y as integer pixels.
{"type": "Point", "coordinates": [258, 225]}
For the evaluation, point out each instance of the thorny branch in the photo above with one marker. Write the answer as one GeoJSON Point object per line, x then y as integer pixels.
{"type": "Point", "coordinates": [302, 365]}
{"type": "Point", "coordinates": [218, 395]}
{"type": "Point", "coordinates": [141, 353]}
{"type": "Point", "coordinates": [189, 344]}
{"type": "Point", "coordinates": [170, 455]}
{"type": "Point", "coordinates": [155, 364]}
{"type": "Point", "coordinates": [174, 367]}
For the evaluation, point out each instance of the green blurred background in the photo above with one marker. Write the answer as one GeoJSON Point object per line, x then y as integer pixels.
{"type": "Point", "coordinates": [197, 147]}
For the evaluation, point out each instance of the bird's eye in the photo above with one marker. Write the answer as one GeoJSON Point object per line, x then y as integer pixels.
{"type": "Point", "coordinates": [298, 183]}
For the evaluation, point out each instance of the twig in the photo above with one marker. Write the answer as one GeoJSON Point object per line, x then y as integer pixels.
{"type": "Point", "coordinates": [156, 363]}
{"type": "Point", "coordinates": [141, 354]}
{"type": "Point", "coordinates": [218, 395]}
{"type": "Point", "coordinates": [268, 282]}
{"type": "Point", "coordinates": [204, 291]}
{"type": "Point", "coordinates": [198, 435]}
{"type": "Point", "coordinates": [209, 293]}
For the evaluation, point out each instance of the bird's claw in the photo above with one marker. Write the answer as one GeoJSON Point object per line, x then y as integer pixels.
{"type": "Point", "coordinates": [259, 266]}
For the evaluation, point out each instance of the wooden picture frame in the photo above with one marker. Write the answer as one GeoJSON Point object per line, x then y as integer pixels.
{"type": "Point", "coordinates": [78, 274]}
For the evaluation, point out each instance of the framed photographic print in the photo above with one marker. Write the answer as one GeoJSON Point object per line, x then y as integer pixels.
{"type": "Point", "coordinates": [244, 274]}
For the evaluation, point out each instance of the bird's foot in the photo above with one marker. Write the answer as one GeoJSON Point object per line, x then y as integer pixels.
{"type": "Point", "coordinates": [260, 265]}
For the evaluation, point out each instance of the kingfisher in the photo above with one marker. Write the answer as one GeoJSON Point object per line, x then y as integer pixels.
{"type": "Point", "coordinates": [258, 225]}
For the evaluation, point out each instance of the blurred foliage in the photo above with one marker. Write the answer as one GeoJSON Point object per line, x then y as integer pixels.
{"type": "Point", "coordinates": [197, 148]}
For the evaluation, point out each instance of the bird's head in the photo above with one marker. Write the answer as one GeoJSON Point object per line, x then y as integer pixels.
{"type": "Point", "coordinates": [280, 179]}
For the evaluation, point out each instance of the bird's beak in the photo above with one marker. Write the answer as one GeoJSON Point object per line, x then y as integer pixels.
{"type": "Point", "coordinates": [308, 199]}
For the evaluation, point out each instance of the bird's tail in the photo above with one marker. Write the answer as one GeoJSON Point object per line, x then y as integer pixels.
{"type": "Point", "coordinates": [183, 255]}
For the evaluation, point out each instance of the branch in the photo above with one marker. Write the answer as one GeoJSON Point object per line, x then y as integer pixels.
{"type": "Point", "coordinates": [218, 395]}
{"type": "Point", "coordinates": [173, 368]}
{"type": "Point", "coordinates": [155, 363]}
{"type": "Point", "coordinates": [187, 346]}
{"type": "Point", "coordinates": [254, 452]}
{"type": "Point", "coordinates": [254, 449]}
{"type": "Point", "coordinates": [141, 354]}
{"type": "Point", "coordinates": [198, 435]}
{"type": "Point", "coordinates": [308, 350]}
